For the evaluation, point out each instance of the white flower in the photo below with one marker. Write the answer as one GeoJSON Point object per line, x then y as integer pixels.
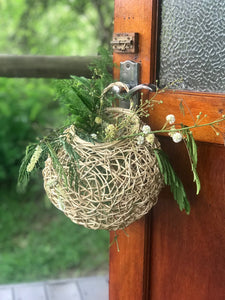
{"type": "Point", "coordinates": [110, 128]}
{"type": "Point", "coordinates": [116, 89]}
{"type": "Point", "coordinates": [150, 138]}
{"type": "Point", "coordinates": [110, 131]}
{"type": "Point", "coordinates": [94, 136]}
{"type": "Point", "coordinates": [170, 119]}
{"type": "Point", "coordinates": [98, 120]}
{"type": "Point", "coordinates": [146, 129]}
{"type": "Point", "coordinates": [177, 137]}
{"type": "Point", "coordinates": [140, 140]}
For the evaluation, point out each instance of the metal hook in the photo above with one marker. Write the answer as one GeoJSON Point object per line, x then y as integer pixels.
{"type": "Point", "coordinates": [139, 87]}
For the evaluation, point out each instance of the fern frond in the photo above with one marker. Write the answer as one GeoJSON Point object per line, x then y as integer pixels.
{"type": "Point", "coordinates": [193, 156]}
{"type": "Point", "coordinates": [171, 179]}
{"type": "Point", "coordinates": [56, 163]}
{"type": "Point", "coordinates": [74, 165]}
{"type": "Point", "coordinates": [24, 176]}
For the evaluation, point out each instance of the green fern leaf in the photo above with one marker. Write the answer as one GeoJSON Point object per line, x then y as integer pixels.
{"type": "Point", "coordinates": [171, 179]}
{"type": "Point", "coordinates": [193, 156]}
{"type": "Point", "coordinates": [24, 176]}
{"type": "Point", "coordinates": [56, 163]}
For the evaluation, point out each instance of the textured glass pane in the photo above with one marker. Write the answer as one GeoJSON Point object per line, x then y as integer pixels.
{"type": "Point", "coordinates": [193, 44]}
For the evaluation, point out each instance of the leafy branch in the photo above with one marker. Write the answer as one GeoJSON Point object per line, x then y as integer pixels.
{"type": "Point", "coordinates": [193, 156]}
{"type": "Point", "coordinates": [171, 179]}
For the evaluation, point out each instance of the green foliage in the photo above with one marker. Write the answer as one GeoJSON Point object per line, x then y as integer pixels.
{"type": "Point", "coordinates": [171, 179]}
{"type": "Point", "coordinates": [82, 99]}
{"type": "Point", "coordinates": [74, 158]}
{"type": "Point", "coordinates": [38, 243]}
{"type": "Point", "coordinates": [81, 96]}
{"type": "Point", "coordinates": [78, 104]}
{"type": "Point", "coordinates": [23, 174]}
{"type": "Point", "coordinates": [193, 156]}
{"type": "Point", "coordinates": [25, 107]}
{"type": "Point", "coordinates": [55, 27]}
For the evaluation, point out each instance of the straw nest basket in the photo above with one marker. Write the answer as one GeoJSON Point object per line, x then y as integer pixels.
{"type": "Point", "coordinates": [119, 181]}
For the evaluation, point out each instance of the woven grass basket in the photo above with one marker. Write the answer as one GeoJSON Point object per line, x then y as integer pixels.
{"type": "Point", "coordinates": [119, 181]}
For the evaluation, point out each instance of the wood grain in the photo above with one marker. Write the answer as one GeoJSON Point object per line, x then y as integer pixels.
{"type": "Point", "coordinates": [211, 104]}
{"type": "Point", "coordinates": [169, 255]}
{"type": "Point", "coordinates": [138, 16]}
{"type": "Point", "coordinates": [188, 252]}
{"type": "Point", "coordinates": [127, 266]}
{"type": "Point", "coordinates": [128, 269]}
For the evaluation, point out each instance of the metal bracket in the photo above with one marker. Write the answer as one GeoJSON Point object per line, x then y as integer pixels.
{"type": "Point", "coordinates": [125, 42]}
{"type": "Point", "coordinates": [129, 74]}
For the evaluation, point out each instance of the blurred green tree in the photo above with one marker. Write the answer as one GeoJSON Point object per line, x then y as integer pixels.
{"type": "Point", "coordinates": [57, 27]}
{"type": "Point", "coordinates": [34, 239]}
{"type": "Point", "coordinates": [53, 27]}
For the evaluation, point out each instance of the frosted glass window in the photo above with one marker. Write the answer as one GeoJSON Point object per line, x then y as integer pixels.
{"type": "Point", "coordinates": [192, 45]}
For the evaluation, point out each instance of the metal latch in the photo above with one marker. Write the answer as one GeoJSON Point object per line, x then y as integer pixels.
{"type": "Point", "coordinates": [129, 74]}
{"type": "Point", "coordinates": [125, 42]}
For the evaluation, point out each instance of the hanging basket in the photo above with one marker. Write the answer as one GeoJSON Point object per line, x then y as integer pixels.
{"type": "Point", "coordinates": [118, 181]}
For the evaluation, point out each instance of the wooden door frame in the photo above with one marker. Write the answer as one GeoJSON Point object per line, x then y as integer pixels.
{"type": "Point", "coordinates": [129, 269]}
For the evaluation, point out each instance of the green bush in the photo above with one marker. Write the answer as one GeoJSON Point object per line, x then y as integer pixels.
{"type": "Point", "coordinates": [26, 107]}
{"type": "Point", "coordinates": [38, 243]}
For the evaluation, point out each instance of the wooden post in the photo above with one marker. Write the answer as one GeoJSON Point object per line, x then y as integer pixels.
{"type": "Point", "coordinates": [128, 268]}
{"type": "Point", "coordinates": [45, 66]}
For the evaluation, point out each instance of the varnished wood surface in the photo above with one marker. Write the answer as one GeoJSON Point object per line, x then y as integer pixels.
{"type": "Point", "coordinates": [127, 266]}
{"type": "Point", "coordinates": [138, 16]}
{"type": "Point", "coordinates": [128, 269]}
{"type": "Point", "coordinates": [188, 252]}
{"type": "Point", "coordinates": [211, 104]}
{"type": "Point", "coordinates": [169, 255]}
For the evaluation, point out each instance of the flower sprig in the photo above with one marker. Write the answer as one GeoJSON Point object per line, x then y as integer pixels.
{"type": "Point", "coordinates": [89, 116]}
{"type": "Point", "coordinates": [177, 131]}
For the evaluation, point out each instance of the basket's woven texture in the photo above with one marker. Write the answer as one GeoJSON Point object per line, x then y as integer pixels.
{"type": "Point", "coordinates": [119, 182]}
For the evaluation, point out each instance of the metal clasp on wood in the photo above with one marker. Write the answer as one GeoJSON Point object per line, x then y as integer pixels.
{"type": "Point", "coordinates": [129, 74]}
{"type": "Point", "coordinates": [125, 42]}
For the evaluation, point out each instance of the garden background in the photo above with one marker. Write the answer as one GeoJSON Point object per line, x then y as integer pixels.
{"type": "Point", "coordinates": [36, 240]}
